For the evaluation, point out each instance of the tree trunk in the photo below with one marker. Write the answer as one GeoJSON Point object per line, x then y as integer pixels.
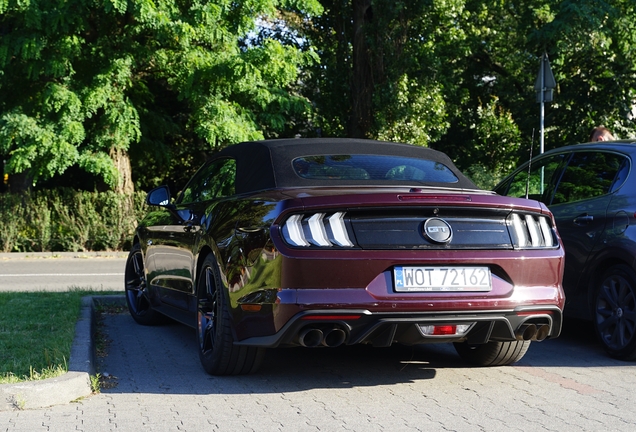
{"type": "Point", "coordinates": [362, 82]}
{"type": "Point", "coordinates": [121, 160]}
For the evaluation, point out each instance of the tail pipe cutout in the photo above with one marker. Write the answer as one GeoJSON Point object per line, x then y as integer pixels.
{"type": "Point", "coordinates": [532, 332]}
{"type": "Point", "coordinates": [329, 337]}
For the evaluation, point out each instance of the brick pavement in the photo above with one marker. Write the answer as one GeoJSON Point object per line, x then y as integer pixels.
{"type": "Point", "coordinates": [563, 385]}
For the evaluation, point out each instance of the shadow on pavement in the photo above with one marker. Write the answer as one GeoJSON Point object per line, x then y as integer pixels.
{"type": "Point", "coordinates": [164, 359]}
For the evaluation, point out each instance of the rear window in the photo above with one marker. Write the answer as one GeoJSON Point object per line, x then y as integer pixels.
{"type": "Point", "coordinates": [373, 168]}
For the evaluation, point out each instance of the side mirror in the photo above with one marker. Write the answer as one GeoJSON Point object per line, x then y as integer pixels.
{"type": "Point", "coordinates": [159, 196]}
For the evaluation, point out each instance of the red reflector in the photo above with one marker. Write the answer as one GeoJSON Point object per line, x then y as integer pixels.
{"type": "Point", "coordinates": [247, 307]}
{"type": "Point", "coordinates": [444, 330]}
{"type": "Point", "coordinates": [330, 317]}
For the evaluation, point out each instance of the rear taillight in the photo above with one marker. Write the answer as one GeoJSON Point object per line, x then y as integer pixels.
{"type": "Point", "coordinates": [531, 231]}
{"type": "Point", "coordinates": [317, 229]}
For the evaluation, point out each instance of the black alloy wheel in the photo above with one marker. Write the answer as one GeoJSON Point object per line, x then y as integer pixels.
{"type": "Point", "coordinates": [217, 352]}
{"type": "Point", "coordinates": [137, 298]}
{"type": "Point", "coordinates": [615, 312]}
{"type": "Point", "coordinates": [206, 310]}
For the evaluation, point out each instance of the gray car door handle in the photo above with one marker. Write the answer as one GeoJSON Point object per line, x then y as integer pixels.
{"type": "Point", "coordinates": [583, 219]}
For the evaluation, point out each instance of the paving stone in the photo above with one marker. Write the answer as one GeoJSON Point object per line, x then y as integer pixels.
{"type": "Point", "coordinates": [562, 385]}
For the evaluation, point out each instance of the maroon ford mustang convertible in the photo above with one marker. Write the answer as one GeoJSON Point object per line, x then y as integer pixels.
{"type": "Point", "coordinates": [325, 242]}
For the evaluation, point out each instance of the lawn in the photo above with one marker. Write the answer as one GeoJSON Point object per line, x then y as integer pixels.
{"type": "Point", "coordinates": [36, 333]}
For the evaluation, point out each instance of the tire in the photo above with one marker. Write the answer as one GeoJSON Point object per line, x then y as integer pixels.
{"type": "Point", "coordinates": [615, 312]}
{"type": "Point", "coordinates": [493, 353]}
{"type": "Point", "coordinates": [217, 351]}
{"type": "Point", "coordinates": [137, 298]}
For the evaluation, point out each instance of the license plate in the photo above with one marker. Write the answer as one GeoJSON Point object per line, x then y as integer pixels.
{"type": "Point", "coordinates": [442, 279]}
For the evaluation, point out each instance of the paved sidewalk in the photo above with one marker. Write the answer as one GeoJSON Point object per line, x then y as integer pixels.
{"type": "Point", "coordinates": [562, 385]}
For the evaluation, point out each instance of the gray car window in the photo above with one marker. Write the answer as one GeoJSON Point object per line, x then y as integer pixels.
{"type": "Point", "coordinates": [214, 180]}
{"type": "Point", "coordinates": [372, 168]}
{"type": "Point", "coordinates": [621, 176]}
{"type": "Point", "coordinates": [540, 181]}
{"type": "Point", "coordinates": [588, 175]}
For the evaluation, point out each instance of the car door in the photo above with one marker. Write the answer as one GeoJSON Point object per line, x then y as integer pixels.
{"type": "Point", "coordinates": [176, 243]}
{"type": "Point", "coordinates": [579, 203]}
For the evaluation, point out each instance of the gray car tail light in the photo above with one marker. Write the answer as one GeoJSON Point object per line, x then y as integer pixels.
{"type": "Point", "coordinates": [531, 231]}
{"type": "Point", "coordinates": [317, 229]}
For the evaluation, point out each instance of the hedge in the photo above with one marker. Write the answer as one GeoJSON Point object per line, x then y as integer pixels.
{"type": "Point", "coordinates": [66, 220]}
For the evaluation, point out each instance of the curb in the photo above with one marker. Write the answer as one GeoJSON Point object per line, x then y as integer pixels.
{"type": "Point", "coordinates": [74, 384]}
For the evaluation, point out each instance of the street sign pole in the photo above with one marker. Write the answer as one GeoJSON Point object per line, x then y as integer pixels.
{"type": "Point", "coordinates": [542, 110]}
{"type": "Point", "coordinates": [544, 85]}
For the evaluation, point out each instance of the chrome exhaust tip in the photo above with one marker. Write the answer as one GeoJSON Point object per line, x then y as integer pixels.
{"type": "Point", "coordinates": [542, 332]}
{"type": "Point", "coordinates": [526, 332]}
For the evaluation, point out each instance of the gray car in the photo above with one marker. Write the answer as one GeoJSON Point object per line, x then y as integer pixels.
{"type": "Point", "coordinates": [591, 190]}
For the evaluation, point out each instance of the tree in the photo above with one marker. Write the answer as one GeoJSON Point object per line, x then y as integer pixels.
{"type": "Point", "coordinates": [593, 52]}
{"type": "Point", "coordinates": [380, 70]}
{"type": "Point", "coordinates": [166, 82]}
{"type": "Point", "coordinates": [85, 83]}
{"type": "Point", "coordinates": [458, 75]}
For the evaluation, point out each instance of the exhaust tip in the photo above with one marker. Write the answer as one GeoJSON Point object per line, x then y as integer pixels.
{"type": "Point", "coordinates": [334, 337]}
{"type": "Point", "coordinates": [310, 337]}
{"type": "Point", "coordinates": [526, 332]}
{"type": "Point", "coordinates": [542, 332]}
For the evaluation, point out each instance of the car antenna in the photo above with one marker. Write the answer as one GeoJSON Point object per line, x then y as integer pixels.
{"type": "Point", "coordinates": [529, 165]}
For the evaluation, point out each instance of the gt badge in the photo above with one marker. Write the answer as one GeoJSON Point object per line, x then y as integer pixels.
{"type": "Point", "coordinates": [437, 230]}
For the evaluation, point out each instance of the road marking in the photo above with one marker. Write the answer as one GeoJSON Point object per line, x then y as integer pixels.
{"type": "Point", "coordinates": [61, 274]}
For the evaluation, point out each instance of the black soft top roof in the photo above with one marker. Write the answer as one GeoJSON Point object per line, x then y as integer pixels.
{"type": "Point", "coordinates": [268, 164]}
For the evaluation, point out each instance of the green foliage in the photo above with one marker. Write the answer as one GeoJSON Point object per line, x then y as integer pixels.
{"type": "Point", "coordinates": [149, 77]}
{"type": "Point", "coordinates": [413, 113]}
{"type": "Point", "coordinates": [458, 75]}
{"type": "Point", "coordinates": [592, 49]}
{"type": "Point", "coordinates": [485, 178]}
{"type": "Point", "coordinates": [170, 82]}
{"type": "Point", "coordinates": [496, 136]}
{"type": "Point", "coordinates": [67, 220]}
{"type": "Point", "coordinates": [591, 57]}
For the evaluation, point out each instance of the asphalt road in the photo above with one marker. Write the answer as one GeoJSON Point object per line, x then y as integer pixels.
{"type": "Point", "coordinates": [44, 272]}
{"type": "Point", "coordinates": [155, 383]}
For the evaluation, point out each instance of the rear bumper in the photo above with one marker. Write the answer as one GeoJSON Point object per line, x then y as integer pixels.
{"type": "Point", "coordinates": [526, 289]}
{"type": "Point", "coordinates": [382, 329]}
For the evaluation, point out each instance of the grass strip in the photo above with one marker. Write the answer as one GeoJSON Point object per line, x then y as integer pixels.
{"type": "Point", "coordinates": [36, 333]}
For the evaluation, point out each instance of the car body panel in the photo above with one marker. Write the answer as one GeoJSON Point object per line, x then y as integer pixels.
{"type": "Point", "coordinates": [276, 288]}
{"type": "Point", "coordinates": [581, 227]}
